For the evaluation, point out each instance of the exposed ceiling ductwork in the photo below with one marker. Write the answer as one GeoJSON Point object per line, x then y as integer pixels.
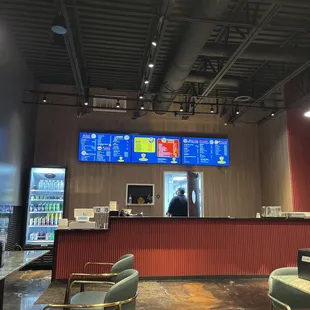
{"type": "Point", "coordinates": [258, 52]}
{"type": "Point", "coordinates": [227, 81]}
{"type": "Point", "coordinates": [190, 47]}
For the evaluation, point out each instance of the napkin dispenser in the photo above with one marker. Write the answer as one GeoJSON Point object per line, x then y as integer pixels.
{"type": "Point", "coordinates": [304, 264]}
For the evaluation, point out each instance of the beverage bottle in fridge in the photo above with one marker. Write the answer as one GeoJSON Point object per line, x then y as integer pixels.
{"type": "Point", "coordinates": [56, 185]}
{"type": "Point", "coordinates": [51, 219]}
{"type": "Point", "coordinates": [57, 206]}
{"type": "Point", "coordinates": [47, 236]}
{"type": "Point", "coordinates": [56, 220]}
{"type": "Point", "coordinates": [62, 185]}
{"type": "Point", "coordinates": [31, 221]}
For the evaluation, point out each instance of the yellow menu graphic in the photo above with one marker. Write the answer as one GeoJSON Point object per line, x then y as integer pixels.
{"type": "Point", "coordinates": [144, 145]}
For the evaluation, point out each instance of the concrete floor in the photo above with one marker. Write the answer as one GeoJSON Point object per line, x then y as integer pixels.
{"type": "Point", "coordinates": [23, 288]}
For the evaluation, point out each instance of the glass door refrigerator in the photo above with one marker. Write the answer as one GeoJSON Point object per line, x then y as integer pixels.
{"type": "Point", "coordinates": [45, 206]}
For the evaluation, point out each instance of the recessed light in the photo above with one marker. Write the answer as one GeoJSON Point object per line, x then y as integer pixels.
{"type": "Point", "coordinates": [307, 114]}
{"type": "Point", "coordinates": [154, 43]}
{"type": "Point", "coordinates": [142, 106]}
{"type": "Point", "coordinates": [146, 82]}
{"type": "Point", "coordinates": [151, 65]}
{"type": "Point", "coordinates": [140, 97]}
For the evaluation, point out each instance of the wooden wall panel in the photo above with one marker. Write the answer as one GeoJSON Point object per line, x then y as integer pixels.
{"type": "Point", "coordinates": [274, 163]}
{"type": "Point", "coordinates": [234, 191]}
{"type": "Point", "coordinates": [299, 144]}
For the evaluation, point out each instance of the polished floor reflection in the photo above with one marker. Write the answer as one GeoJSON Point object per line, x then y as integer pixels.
{"type": "Point", "coordinates": [23, 289]}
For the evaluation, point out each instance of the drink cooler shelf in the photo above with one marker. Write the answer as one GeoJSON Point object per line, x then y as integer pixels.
{"type": "Point", "coordinates": [53, 212]}
{"type": "Point", "coordinates": [47, 226]}
{"type": "Point", "coordinates": [47, 191]}
{"type": "Point", "coordinates": [46, 200]}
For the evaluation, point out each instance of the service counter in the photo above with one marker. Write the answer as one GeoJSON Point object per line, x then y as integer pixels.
{"type": "Point", "coordinates": [183, 247]}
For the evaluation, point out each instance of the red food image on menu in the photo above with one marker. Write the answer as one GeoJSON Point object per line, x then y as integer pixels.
{"type": "Point", "coordinates": [168, 148]}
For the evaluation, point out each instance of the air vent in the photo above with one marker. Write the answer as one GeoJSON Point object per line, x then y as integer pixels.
{"type": "Point", "coordinates": [109, 105]}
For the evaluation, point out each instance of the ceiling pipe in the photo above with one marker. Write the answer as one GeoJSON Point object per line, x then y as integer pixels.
{"type": "Point", "coordinates": [227, 81]}
{"type": "Point", "coordinates": [275, 87]}
{"type": "Point", "coordinates": [258, 52]}
{"type": "Point", "coordinates": [70, 46]}
{"type": "Point", "coordinates": [299, 3]}
{"type": "Point", "coordinates": [190, 47]}
{"type": "Point", "coordinates": [264, 20]}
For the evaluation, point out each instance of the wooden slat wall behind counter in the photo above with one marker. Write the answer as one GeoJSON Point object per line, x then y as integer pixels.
{"type": "Point", "coordinates": [234, 191]}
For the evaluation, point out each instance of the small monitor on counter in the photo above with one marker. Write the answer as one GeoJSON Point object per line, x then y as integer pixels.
{"type": "Point", "coordinates": [140, 194]}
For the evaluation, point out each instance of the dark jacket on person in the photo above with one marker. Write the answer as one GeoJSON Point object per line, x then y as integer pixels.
{"type": "Point", "coordinates": [178, 206]}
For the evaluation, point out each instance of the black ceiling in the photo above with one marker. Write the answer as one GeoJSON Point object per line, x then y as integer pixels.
{"type": "Point", "coordinates": [112, 41]}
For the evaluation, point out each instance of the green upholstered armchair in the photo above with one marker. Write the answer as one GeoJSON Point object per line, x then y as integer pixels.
{"type": "Point", "coordinates": [283, 296]}
{"type": "Point", "coordinates": [125, 262]}
{"type": "Point", "coordinates": [121, 295]}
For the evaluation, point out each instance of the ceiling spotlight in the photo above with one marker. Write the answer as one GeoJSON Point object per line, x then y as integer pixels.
{"type": "Point", "coordinates": [154, 43]}
{"type": "Point", "coordinates": [225, 124]}
{"type": "Point", "coordinates": [151, 65]}
{"type": "Point", "coordinates": [141, 97]}
{"type": "Point", "coordinates": [86, 102]}
{"type": "Point", "coordinates": [142, 106]}
{"type": "Point", "coordinates": [272, 114]}
{"type": "Point", "coordinates": [307, 113]}
{"type": "Point", "coordinates": [212, 109]}
{"type": "Point", "coordinates": [59, 25]}
{"type": "Point", "coordinates": [237, 110]}
{"type": "Point", "coordinates": [181, 108]}
{"type": "Point", "coordinates": [117, 103]}
{"type": "Point", "coordinates": [44, 99]}
{"type": "Point", "coordinates": [146, 81]}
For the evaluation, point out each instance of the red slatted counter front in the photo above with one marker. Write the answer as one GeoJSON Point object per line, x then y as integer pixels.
{"type": "Point", "coordinates": [186, 247]}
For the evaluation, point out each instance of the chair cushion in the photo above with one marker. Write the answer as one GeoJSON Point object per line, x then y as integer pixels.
{"type": "Point", "coordinates": [88, 298]}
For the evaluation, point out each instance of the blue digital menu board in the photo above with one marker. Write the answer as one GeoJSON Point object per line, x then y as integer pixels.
{"type": "Point", "coordinates": [205, 151]}
{"type": "Point", "coordinates": [155, 150]}
{"type": "Point", "coordinates": [104, 147]}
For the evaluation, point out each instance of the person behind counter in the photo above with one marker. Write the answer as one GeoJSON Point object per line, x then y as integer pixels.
{"type": "Point", "coordinates": [178, 204]}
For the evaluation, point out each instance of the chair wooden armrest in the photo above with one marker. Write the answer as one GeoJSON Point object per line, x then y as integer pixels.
{"type": "Point", "coordinates": [97, 263]}
{"type": "Point", "coordinates": [287, 307]}
{"type": "Point", "coordinates": [117, 305]}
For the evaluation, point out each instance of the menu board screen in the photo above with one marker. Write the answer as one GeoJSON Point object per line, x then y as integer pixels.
{"type": "Point", "coordinates": [155, 150]}
{"type": "Point", "coordinates": [104, 147]}
{"type": "Point", "coordinates": [205, 151]}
